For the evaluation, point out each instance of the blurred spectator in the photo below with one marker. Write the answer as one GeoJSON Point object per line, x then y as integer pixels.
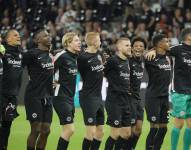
{"type": "Point", "coordinates": [111, 18]}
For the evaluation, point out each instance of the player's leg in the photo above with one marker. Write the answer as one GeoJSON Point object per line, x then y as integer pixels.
{"type": "Point", "coordinates": [33, 135]}
{"type": "Point", "coordinates": [34, 114]}
{"type": "Point", "coordinates": [175, 133]}
{"type": "Point", "coordinates": [67, 132]}
{"type": "Point", "coordinates": [164, 117]}
{"type": "Point", "coordinates": [113, 136]}
{"type": "Point", "coordinates": [89, 109]}
{"type": "Point", "coordinates": [178, 112]}
{"type": "Point", "coordinates": [137, 122]}
{"type": "Point", "coordinates": [187, 135]}
{"type": "Point", "coordinates": [114, 121]}
{"type": "Point", "coordinates": [121, 143]}
{"type": "Point", "coordinates": [187, 132]}
{"type": "Point", "coordinates": [4, 134]}
{"type": "Point", "coordinates": [137, 130]}
{"type": "Point", "coordinates": [45, 123]}
{"type": "Point", "coordinates": [125, 131]}
{"type": "Point", "coordinates": [65, 112]}
{"type": "Point", "coordinates": [43, 136]}
{"type": "Point", "coordinates": [99, 128]}
{"type": "Point", "coordinates": [152, 106]}
{"type": "Point", "coordinates": [9, 113]}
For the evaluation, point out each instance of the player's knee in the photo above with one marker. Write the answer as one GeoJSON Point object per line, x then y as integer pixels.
{"type": "Point", "coordinates": [35, 130]}
{"type": "Point", "coordinates": [35, 133]}
{"type": "Point", "coordinates": [179, 125]}
{"type": "Point", "coordinates": [45, 130]}
{"type": "Point", "coordinates": [188, 123]}
{"type": "Point", "coordinates": [71, 131]}
{"type": "Point", "coordinates": [90, 133]}
{"type": "Point", "coordinates": [126, 134]}
{"type": "Point", "coordinates": [99, 134]}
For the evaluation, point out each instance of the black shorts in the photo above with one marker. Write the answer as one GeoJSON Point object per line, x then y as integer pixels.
{"type": "Point", "coordinates": [157, 109]}
{"type": "Point", "coordinates": [39, 110]}
{"type": "Point", "coordinates": [64, 109]}
{"type": "Point", "coordinates": [93, 112]}
{"type": "Point", "coordinates": [137, 111]}
{"type": "Point", "coordinates": [9, 108]}
{"type": "Point", "coordinates": [118, 114]}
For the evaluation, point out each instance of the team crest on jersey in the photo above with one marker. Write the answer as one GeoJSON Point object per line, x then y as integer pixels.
{"type": "Point", "coordinates": [90, 120]}
{"type": "Point", "coordinates": [34, 115]}
{"type": "Point", "coordinates": [68, 119]}
{"type": "Point", "coordinates": [116, 122]}
{"type": "Point", "coordinates": [132, 121]}
{"type": "Point", "coordinates": [153, 118]}
{"type": "Point", "coordinates": [182, 113]}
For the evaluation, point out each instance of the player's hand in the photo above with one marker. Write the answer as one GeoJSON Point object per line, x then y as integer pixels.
{"type": "Point", "coordinates": [150, 55]}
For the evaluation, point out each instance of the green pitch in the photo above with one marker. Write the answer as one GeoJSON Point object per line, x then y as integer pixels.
{"type": "Point", "coordinates": [20, 131]}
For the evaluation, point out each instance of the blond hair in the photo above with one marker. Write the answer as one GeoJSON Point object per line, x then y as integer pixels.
{"type": "Point", "coordinates": [90, 38]}
{"type": "Point", "coordinates": [67, 38]}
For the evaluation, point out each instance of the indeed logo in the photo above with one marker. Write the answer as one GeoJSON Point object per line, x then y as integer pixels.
{"type": "Point", "coordinates": [72, 71]}
{"type": "Point", "coordinates": [97, 68]}
{"type": "Point", "coordinates": [187, 60]}
{"type": "Point", "coordinates": [47, 65]}
{"type": "Point", "coordinates": [166, 67]}
{"type": "Point", "coordinates": [138, 74]}
{"type": "Point", "coordinates": [125, 75]}
{"type": "Point", "coordinates": [14, 62]}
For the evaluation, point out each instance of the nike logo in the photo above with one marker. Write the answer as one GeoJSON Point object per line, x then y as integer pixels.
{"type": "Point", "coordinates": [89, 60]}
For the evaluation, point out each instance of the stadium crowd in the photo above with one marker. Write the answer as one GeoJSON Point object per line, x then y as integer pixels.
{"type": "Point", "coordinates": [111, 18]}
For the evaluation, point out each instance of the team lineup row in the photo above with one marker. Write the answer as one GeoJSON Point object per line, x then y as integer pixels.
{"type": "Point", "coordinates": [52, 82]}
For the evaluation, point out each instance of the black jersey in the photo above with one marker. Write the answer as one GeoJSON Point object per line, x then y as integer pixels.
{"type": "Point", "coordinates": [182, 68]}
{"type": "Point", "coordinates": [136, 75]}
{"type": "Point", "coordinates": [40, 69]}
{"type": "Point", "coordinates": [65, 67]}
{"type": "Point", "coordinates": [12, 70]}
{"type": "Point", "coordinates": [90, 66]}
{"type": "Point", "coordinates": [117, 72]}
{"type": "Point", "coordinates": [159, 73]}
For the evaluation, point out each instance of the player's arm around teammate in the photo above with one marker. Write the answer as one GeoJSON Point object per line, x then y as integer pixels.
{"type": "Point", "coordinates": [117, 103]}
{"type": "Point", "coordinates": [156, 99]}
{"type": "Point", "coordinates": [90, 66]}
{"type": "Point", "coordinates": [65, 63]}
{"type": "Point", "coordinates": [180, 96]}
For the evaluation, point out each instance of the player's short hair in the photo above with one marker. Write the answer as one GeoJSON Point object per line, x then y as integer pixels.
{"type": "Point", "coordinates": [89, 38]}
{"type": "Point", "coordinates": [122, 39]}
{"type": "Point", "coordinates": [38, 32]}
{"type": "Point", "coordinates": [157, 38]}
{"type": "Point", "coordinates": [67, 38]}
{"type": "Point", "coordinates": [184, 33]}
{"type": "Point", "coordinates": [6, 34]}
{"type": "Point", "coordinates": [139, 39]}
